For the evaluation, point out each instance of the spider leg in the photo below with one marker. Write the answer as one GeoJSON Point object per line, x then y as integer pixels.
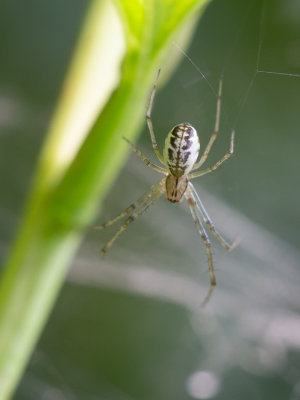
{"type": "Point", "coordinates": [207, 220]}
{"type": "Point", "coordinates": [149, 121]}
{"type": "Point", "coordinates": [218, 163]}
{"type": "Point", "coordinates": [135, 205]}
{"type": "Point", "coordinates": [216, 130]}
{"type": "Point", "coordinates": [203, 234]}
{"type": "Point", "coordinates": [145, 159]}
{"type": "Point", "coordinates": [135, 210]}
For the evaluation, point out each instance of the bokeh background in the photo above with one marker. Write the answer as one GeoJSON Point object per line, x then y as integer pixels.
{"type": "Point", "coordinates": [130, 326]}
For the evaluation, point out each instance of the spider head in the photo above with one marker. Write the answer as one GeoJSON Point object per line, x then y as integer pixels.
{"type": "Point", "coordinates": [175, 187]}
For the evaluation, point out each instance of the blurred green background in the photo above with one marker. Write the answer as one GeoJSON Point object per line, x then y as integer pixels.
{"type": "Point", "coordinates": [129, 326]}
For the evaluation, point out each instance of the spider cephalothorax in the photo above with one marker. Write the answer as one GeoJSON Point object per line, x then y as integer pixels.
{"type": "Point", "coordinates": [175, 187]}
{"type": "Point", "coordinates": [179, 159]}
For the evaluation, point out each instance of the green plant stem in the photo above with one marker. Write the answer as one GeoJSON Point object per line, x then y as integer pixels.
{"type": "Point", "coordinates": [57, 215]}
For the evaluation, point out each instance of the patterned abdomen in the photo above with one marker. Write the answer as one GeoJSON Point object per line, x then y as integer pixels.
{"type": "Point", "coordinates": [181, 149]}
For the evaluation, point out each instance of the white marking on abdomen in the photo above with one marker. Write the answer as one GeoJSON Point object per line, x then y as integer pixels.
{"type": "Point", "coordinates": [181, 149]}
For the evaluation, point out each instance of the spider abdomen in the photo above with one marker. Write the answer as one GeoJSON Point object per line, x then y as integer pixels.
{"type": "Point", "coordinates": [181, 149]}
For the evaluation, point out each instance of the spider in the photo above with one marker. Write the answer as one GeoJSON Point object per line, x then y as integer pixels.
{"type": "Point", "coordinates": [179, 158]}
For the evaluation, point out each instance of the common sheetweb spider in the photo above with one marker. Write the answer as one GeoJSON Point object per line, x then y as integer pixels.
{"type": "Point", "coordinates": [180, 165]}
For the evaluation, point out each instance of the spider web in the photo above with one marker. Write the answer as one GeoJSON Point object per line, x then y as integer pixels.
{"type": "Point", "coordinates": [41, 359]}
{"type": "Point", "coordinates": [257, 69]}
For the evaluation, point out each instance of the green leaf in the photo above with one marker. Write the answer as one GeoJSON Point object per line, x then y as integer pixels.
{"type": "Point", "coordinates": [82, 156]}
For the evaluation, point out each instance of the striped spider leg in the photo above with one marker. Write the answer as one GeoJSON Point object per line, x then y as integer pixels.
{"type": "Point", "coordinates": [134, 211]}
{"type": "Point", "coordinates": [179, 159]}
